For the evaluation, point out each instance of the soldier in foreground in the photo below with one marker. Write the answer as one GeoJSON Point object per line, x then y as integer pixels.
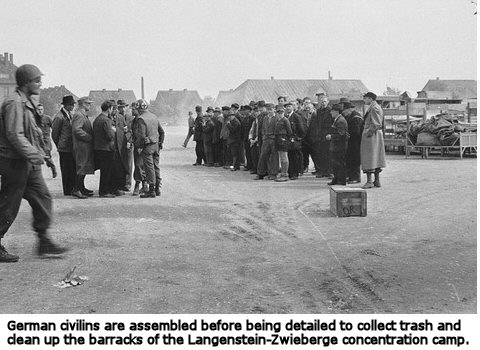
{"type": "Point", "coordinates": [149, 136]}
{"type": "Point", "coordinates": [21, 157]}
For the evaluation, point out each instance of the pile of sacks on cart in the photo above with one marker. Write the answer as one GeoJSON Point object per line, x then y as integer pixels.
{"type": "Point", "coordinates": [439, 130]}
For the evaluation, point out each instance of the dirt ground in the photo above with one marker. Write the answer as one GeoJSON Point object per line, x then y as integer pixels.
{"type": "Point", "coordinates": [218, 242]}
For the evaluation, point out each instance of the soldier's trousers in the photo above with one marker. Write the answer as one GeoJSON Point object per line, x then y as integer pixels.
{"type": "Point", "coordinates": [151, 164]}
{"type": "Point", "coordinates": [20, 179]}
{"type": "Point", "coordinates": [139, 171]}
{"type": "Point", "coordinates": [69, 171]}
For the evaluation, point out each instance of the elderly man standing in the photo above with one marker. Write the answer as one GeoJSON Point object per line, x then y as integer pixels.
{"type": "Point", "coordinates": [82, 147]}
{"type": "Point", "coordinates": [372, 148]}
{"type": "Point", "coordinates": [21, 157]}
{"type": "Point", "coordinates": [62, 137]}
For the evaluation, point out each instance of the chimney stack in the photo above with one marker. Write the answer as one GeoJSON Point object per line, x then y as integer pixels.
{"type": "Point", "coordinates": [5, 57]}
{"type": "Point", "coordinates": [11, 58]}
{"type": "Point", "coordinates": [329, 76]}
{"type": "Point", "coordinates": [143, 89]}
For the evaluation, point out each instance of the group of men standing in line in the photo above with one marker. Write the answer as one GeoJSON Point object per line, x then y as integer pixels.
{"type": "Point", "coordinates": [118, 139]}
{"type": "Point", "coordinates": [112, 143]}
{"type": "Point", "coordinates": [277, 141]}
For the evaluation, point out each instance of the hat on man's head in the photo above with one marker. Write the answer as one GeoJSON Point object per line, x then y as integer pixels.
{"type": "Point", "coordinates": [279, 97]}
{"type": "Point", "coordinates": [209, 109]}
{"type": "Point", "coordinates": [235, 105]}
{"type": "Point", "coordinates": [252, 103]}
{"type": "Point", "coordinates": [371, 95]}
{"type": "Point", "coordinates": [344, 99]}
{"type": "Point", "coordinates": [225, 108]}
{"type": "Point", "coordinates": [68, 100]}
{"type": "Point", "coordinates": [347, 105]}
{"type": "Point", "coordinates": [198, 108]}
{"type": "Point", "coordinates": [270, 105]}
{"type": "Point", "coordinates": [122, 103]}
{"type": "Point", "coordinates": [337, 107]}
{"type": "Point", "coordinates": [26, 73]}
{"type": "Point", "coordinates": [217, 110]}
{"type": "Point", "coordinates": [279, 108]}
{"type": "Point", "coordinates": [84, 99]}
{"type": "Point", "coordinates": [261, 103]}
{"type": "Point", "coordinates": [289, 103]}
{"type": "Point", "coordinates": [247, 108]}
{"type": "Point", "coordinates": [320, 94]}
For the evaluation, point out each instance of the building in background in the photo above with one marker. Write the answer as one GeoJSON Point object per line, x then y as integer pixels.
{"type": "Point", "coordinates": [51, 98]}
{"type": "Point", "coordinates": [172, 106]}
{"type": "Point", "coordinates": [99, 96]}
{"type": "Point", "coordinates": [7, 75]}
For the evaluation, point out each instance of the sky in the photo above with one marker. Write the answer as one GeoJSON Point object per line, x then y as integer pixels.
{"type": "Point", "coordinates": [212, 45]}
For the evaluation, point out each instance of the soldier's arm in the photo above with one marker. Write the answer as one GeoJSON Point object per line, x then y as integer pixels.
{"type": "Point", "coordinates": [140, 131]}
{"type": "Point", "coordinates": [15, 133]}
{"type": "Point", "coordinates": [161, 135]}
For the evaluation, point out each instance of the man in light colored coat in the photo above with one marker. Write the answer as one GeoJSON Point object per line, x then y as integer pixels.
{"type": "Point", "coordinates": [372, 147]}
{"type": "Point", "coordinates": [82, 133]}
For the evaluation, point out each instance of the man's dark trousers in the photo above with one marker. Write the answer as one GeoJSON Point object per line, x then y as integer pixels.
{"type": "Point", "coordinates": [104, 161]}
{"type": "Point", "coordinates": [199, 152]}
{"type": "Point", "coordinates": [69, 172]}
{"type": "Point", "coordinates": [151, 160]}
{"type": "Point", "coordinates": [21, 179]}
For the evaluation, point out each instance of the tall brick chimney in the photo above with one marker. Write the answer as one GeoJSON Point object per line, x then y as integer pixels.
{"type": "Point", "coordinates": [11, 58]}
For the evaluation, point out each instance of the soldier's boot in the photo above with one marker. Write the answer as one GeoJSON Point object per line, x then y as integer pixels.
{"type": "Point", "coordinates": [150, 193]}
{"type": "Point", "coordinates": [136, 189]}
{"type": "Point", "coordinates": [369, 183]}
{"type": "Point", "coordinates": [144, 188]}
{"type": "Point", "coordinates": [376, 182]}
{"type": "Point", "coordinates": [46, 247]}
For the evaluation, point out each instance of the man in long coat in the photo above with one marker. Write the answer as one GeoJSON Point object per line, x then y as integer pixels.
{"type": "Point", "coordinates": [352, 158]}
{"type": "Point", "coordinates": [372, 148]}
{"type": "Point", "coordinates": [207, 137]}
{"type": "Point", "coordinates": [123, 155]}
{"type": "Point", "coordinates": [82, 134]}
{"type": "Point", "coordinates": [338, 137]}
{"type": "Point", "coordinates": [198, 136]}
{"type": "Point", "coordinates": [217, 143]}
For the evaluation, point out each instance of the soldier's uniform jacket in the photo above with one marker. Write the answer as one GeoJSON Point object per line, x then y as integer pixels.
{"type": "Point", "coordinates": [62, 131]}
{"type": "Point", "coordinates": [46, 127]}
{"type": "Point", "coordinates": [148, 131]}
{"type": "Point", "coordinates": [20, 137]}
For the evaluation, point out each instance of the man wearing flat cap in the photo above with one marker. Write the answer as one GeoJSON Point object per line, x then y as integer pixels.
{"type": "Point", "coordinates": [62, 137]}
{"type": "Point", "coordinates": [283, 137]}
{"type": "Point", "coordinates": [239, 113]}
{"type": "Point", "coordinates": [372, 148]}
{"type": "Point", "coordinates": [21, 157]}
{"type": "Point", "coordinates": [338, 137]}
{"type": "Point", "coordinates": [82, 133]}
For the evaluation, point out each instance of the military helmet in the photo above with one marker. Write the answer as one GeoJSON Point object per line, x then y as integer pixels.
{"type": "Point", "coordinates": [142, 105]}
{"type": "Point", "coordinates": [26, 73]}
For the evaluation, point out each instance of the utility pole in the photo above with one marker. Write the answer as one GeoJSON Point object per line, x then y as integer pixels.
{"type": "Point", "coordinates": [143, 90]}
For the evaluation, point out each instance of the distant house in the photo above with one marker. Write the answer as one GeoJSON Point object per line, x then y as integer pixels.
{"type": "Point", "coordinates": [99, 96]}
{"type": "Point", "coordinates": [270, 89]}
{"type": "Point", "coordinates": [173, 105]}
{"type": "Point", "coordinates": [7, 75]}
{"type": "Point", "coordinates": [51, 98]}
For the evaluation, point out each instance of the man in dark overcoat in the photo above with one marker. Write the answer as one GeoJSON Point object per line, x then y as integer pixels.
{"type": "Point", "coordinates": [338, 138]}
{"type": "Point", "coordinates": [234, 140]}
{"type": "Point", "coordinates": [62, 137]}
{"type": "Point", "coordinates": [322, 148]}
{"type": "Point", "coordinates": [217, 144]}
{"type": "Point", "coordinates": [247, 122]}
{"type": "Point", "coordinates": [82, 133]}
{"type": "Point", "coordinates": [207, 137]}
{"type": "Point", "coordinates": [298, 133]}
{"type": "Point", "coordinates": [352, 158]}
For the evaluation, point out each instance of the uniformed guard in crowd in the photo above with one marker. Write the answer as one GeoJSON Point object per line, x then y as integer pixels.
{"type": "Point", "coordinates": [62, 137]}
{"type": "Point", "coordinates": [82, 134]}
{"type": "Point", "coordinates": [149, 137]}
{"type": "Point", "coordinates": [139, 171]}
{"type": "Point", "coordinates": [21, 157]}
{"type": "Point", "coordinates": [352, 157]}
{"type": "Point", "coordinates": [338, 137]}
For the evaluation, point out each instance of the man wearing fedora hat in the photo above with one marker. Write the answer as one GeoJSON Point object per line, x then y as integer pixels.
{"type": "Point", "coordinates": [21, 157]}
{"type": "Point", "coordinates": [372, 147]}
{"type": "Point", "coordinates": [62, 137]}
{"type": "Point", "coordinates": [82, 132]}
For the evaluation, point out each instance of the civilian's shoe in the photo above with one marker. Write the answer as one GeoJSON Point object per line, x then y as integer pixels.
{"type": "Point", "coordinates": [294, 178]}
{"type": "Point", "coordinates": [259, 177]}
{"type": "Point", "coordinates": [234, 169]}
{"type": "Point", "coordinates": [376, 184]}
{"type": "Point", "coordinates": [149, 194]}
{"type": "Point", "coordinates": [271, 177]}
{"type": "Point", "coordinates": [253, 171]}
{"type": "Point", "coordinates": [353, 181]}
{"type": "Point", "coordinates": [216, 165]}
{"type": "Point", "coordinates": [107, 195]}
{"type": "Point", "coordinates": [79, 195]}
{"type": "Point", "coordinates": [86, 190]}
{"type": "Point", "coordinates": [281, 179]}
{"type": "Point", "coordinates": [85, 193]}
{"type": "Point", "coordinates": [6, 257]}
{"type": "Point", "coordinates": [331, 183]}
{"type": "Point", "coordinates": [368, 185]}
{"type": "Point", "coordinates": [118, 193]}
{"type": "Point", "coordinates": [209, 165]}
{"type": "Point", "coordinates": [195, 164]}
{"type": "Point", "coordinates": [47, 247]}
